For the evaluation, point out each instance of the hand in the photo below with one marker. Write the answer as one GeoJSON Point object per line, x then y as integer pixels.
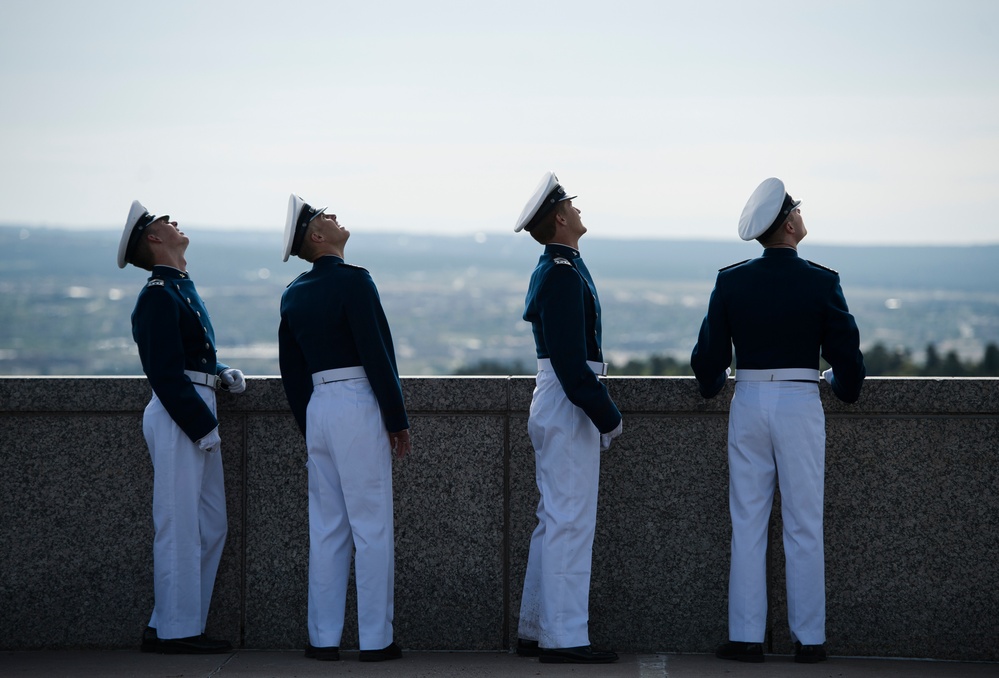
{"type": "Point", "coordinates": [606, 438]}
{"type": "Point", "coordinates": [401, 443]}
{"type": "Point", "coordinates": [211, 442]}
{"type": "Point", "coordinates": [233, 381]}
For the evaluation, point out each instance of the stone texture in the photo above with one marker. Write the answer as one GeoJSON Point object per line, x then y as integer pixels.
{"type": "Point", "coordinates": [912, 518]}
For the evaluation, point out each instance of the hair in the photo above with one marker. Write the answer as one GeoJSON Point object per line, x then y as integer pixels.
{"type": "Point", "coordinates": [775, 234]}
{"type": "Point", "coordinates": [142, 253]}
{"type": "Point", "coordinates": [544, 230]}
{"type": "Point", "coordinates": [307, 249]}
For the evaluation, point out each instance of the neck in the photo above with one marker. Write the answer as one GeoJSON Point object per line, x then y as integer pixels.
{"type": "Point", "coordinates": [176, 260]}
{"type": "Point", "coordinates": [329, 251]}
{"type": "Point", "coordinates": [566, 242]}
{"type": "Point", "coordinates": [789, 245]}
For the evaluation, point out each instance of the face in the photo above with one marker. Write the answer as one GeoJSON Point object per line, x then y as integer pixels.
{"type": "Point", "coordinates": [574, 219]}
{"type": "Point", "coordinates": [799, 224]}
{"type": "Point", "coordinates": [168, 232]}
{"type": "Point", "coordinates": [331, 229]}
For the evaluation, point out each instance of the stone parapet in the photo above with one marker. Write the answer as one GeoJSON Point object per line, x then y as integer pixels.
{"type": "Point", "coordinates": [911, 505]}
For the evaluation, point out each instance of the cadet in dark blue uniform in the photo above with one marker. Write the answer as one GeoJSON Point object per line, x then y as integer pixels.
{"type": "Point", "coordinates": [176, 344]}
{"type": "Point", "coordinates": [781, 313]}
{"type": "Point", "coordinates": [572, 419]}
{"type": "Point", "coordinates": [339, 373]}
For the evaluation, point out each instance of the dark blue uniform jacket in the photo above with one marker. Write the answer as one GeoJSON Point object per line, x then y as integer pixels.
{"type": "Point", "coordinates": [780, 311]}
{"type": "Point", "coordinates": [172, 329]}
{"type": "Point", "coordinates": [332, 317]}
{"type": "Point", "coordinates": [564, 311]}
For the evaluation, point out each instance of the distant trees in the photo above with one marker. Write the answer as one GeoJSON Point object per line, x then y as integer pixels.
{"type": "Point", "coordinates": [493, 368]}
{"type": "Point", "coordinates": [883, 362]}
{"type": "Point", "coordinates": [879, 359]}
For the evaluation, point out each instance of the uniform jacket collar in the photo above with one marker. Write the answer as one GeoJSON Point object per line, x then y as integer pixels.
{"type": "Point", "coordinates": [556, 250]}
{"type": "Point", "coordinates": [169, 272]}
{"type": "Point", "coordinates": [786, 252]}
{"type": "Point", "coordinates": [327, 260]}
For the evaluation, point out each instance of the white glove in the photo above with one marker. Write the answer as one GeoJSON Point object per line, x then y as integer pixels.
{"type": "Point", "coordinates": [828, 376]}
{"type": "Point", "coordinates": [606, 438]}
{"type": "Point", "coordinates": [233, 381]}
{"type": "Point", "coordinates": [211, 442]}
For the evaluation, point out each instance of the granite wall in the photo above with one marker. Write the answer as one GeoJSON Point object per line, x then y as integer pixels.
{"type": "Point", "coordinates": [912, 519]}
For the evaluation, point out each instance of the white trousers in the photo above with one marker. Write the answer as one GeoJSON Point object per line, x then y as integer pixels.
{"type": "Point", "coordinates": [554, 609]}
{"type": "Point", "coordinates": [776, 430]}
{"type": "Point", "coordinates": [189, 519]}
{"type": "Point", "coordinates": [350, 507]}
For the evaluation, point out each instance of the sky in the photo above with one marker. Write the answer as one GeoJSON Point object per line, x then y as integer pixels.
{"type": "Point", "coordinates": [438, 116]}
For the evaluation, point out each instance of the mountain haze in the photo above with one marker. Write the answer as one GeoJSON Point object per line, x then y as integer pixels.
{"type": "Point", "coordinates": [455, 301]}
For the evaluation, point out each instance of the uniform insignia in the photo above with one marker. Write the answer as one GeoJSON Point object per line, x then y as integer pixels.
{"type": "Point", "coordinates": [156, 282]}
{"type": "Point", "coordinates": [824, 268]}
{"type": "Point", "coordinates": [562, 260]}
{"type": "Point", "coordinates": [738, 263]}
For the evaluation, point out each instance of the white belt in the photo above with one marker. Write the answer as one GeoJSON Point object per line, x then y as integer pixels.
{"type": "Point", "coordinates": [785, 374]}
{"type": "Point", "coordinates": [339, 374]}
{"type": "Point", "coordinates": [599, 369]}
{"type": "Point", "coordinates": [203, 379]}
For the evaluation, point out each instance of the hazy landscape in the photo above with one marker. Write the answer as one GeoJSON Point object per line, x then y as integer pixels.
{"type": "Point", "coordinates": [455, 302]}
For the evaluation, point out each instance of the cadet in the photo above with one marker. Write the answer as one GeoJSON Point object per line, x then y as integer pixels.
{"type": "Point", "coordinates": [781, 312]}
{"type": "Point", "coordinates": [176, 344]}
{"type": "Point", "coordinates": [572, 420]}
{"type": "Point", "coordinates": [340, 376]}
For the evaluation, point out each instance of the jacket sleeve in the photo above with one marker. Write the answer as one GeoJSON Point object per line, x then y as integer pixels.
{"type": "Point", "coordinates": [562, 307]}
{"type": "Point", "coordinates": [373, 340]}
{"type": "Point", "coordinates": [841, 347]}
{"type": "Point", "coordinates": [157, 333]}
{"type": "Point", "coordinates": [712, 353]}
{"type": "Point", "coordinates": [295, 376]}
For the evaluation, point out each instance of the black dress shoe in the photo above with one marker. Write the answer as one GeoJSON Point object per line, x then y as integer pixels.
{"type": "Point", "coordinates": [150, 643]}
{"type": "Point", "coordinates": [741, 652]}
{"type": "Point", "coordinates": [323, 654]}
{"type": "Point", "coordinates": [193, 645]}
{"type": "Point", "coordinates": [527, 648]}
{"type": "Point", "coordinates": [809, 654]}
{"type": "Point", "coordinates": [575, 655]}
{"type": "Point", "coordinates": [391, 652]}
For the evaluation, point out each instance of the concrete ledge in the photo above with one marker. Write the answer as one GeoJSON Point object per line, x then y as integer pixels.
{"type": "Point", "coordinates": [912, 518]}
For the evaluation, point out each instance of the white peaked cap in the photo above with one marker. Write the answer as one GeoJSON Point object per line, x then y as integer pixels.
{"type": "Point", "coordinates": [548, 194]}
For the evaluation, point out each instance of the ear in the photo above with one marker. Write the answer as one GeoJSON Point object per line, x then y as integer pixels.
{"type": "Point", "coordinates": [316, 236]}
{"type": "Point", "coordinates": [152, 237]}
{"type": "Point", "coordinates": [560, 217]}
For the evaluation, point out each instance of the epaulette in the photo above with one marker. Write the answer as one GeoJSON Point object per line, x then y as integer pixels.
{"type": "Point", "coordinates": [296, 278]}
{"type": "Point", "coordinates": [824, 268]}
{"type": "Point", "coordinates": [738, 263]}
{"type": "Point", "coordinates": [562, 261]}
{"type": "Point", "coordinates": [156, 282]}
{"type": "Point", "coordinates": [344, 263]}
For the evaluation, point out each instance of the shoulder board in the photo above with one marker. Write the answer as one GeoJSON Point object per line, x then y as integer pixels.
{"type": "Point", "coordinates": [562, 261]}
{"type": "Point", "coordinates": [296, 279]}
{"type": "Point", "coordinates": [156, 282]}
{"type": "Point", "coordinates": [360, 268]}
{"type": "Point", "coordinates": [738, 263]}
{"type": "Point", "coordinates": [824, 268]}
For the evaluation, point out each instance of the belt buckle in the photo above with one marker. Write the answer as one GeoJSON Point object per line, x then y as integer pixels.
{"type": "Point", "coordinates": [217, 383]}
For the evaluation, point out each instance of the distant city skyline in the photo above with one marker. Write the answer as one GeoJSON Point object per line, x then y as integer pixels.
{"type": "Point", "coordinates": [441, 116]}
